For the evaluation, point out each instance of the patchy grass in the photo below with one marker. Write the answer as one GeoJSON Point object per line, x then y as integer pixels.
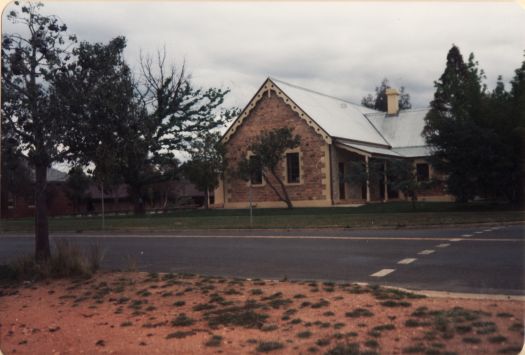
{"type": "Point", "coordinates": [67, 261]}
{"type": "Point", "coordinates": [344, 349]}
{"type": "Point", "coordinates": [244, 316]}
{"type": "Point", "coordinates": [304, 334]}
{"type": "Point", "coordinates": [214, 341]}
{"type": "Point", "coordinates": [391, 303]}
{"type": "Point", "coordinates": [393, 214]}
{"type": "Point", "coordinates": [359, 312]}
{"type": "Point", "coordinates": [180, 334]}
{"type": "Point", "coordinates": [182, 320]}
{"type": "Point", "coordinates": [323, 342]}
{"type": "Point", "coordinates": [267, 346]}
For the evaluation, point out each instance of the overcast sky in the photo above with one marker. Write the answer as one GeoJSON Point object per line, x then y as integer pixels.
{"type": "Point", "coordinates": [339, 48]}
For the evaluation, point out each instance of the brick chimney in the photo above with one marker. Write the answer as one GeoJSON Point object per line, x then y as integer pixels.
{"type": "Point", "coordinates": [392, 101]}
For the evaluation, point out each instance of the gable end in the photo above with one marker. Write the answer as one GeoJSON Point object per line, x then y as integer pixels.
{"type": "Point", "coordinates": [269, 88]}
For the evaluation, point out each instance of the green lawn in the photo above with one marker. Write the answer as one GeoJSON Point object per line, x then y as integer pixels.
{"type": "Point", "coordinates": [400, 214]}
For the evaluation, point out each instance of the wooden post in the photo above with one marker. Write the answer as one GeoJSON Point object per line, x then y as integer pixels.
{"type": "Point", "coordinates": [103, 212]}
{"type": "Point", "coordinates": [251, 208]}
{"type": "Point", "coordinates": [367, 180]}
{"type": "Point", "coordinates": [386, 183]}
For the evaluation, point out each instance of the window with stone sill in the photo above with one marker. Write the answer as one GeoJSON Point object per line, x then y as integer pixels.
{"type": "Point", "coordinates": [256, 177]}
{"type": "Point", "coordinates": [423, 172]}
{"type": "Point", "coordinates": [293, 169]}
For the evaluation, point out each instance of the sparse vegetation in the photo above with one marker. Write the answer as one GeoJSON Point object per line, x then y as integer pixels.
{"type": "Point", "coordinates": [304, 334]}
{"type": "Point", "coordinates": [67, 260]}
{"type": "Point", "coordinates": [323, 342]}
{"type": "Point", "coordinates": [359, 312]}
{"type": "Point", "coordinates": [180, 334]}
{"type": "Point", "coordinates": [144, 296]}
{"type": "Point", "coordinates": [214, 341]}
{"type": "Point", "coordinates": [471, 340]}
{"type": "Point", "coordinates": [267, 346]}
{"type": "Point", "coordinates": [182, 320]}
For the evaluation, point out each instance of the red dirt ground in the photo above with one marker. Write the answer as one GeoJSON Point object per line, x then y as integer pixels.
{"type": "Point", "coordinates": [132, 313]}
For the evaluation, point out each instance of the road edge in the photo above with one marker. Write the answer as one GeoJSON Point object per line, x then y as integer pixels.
{"type": "Point", "coordinates": [276, 230]}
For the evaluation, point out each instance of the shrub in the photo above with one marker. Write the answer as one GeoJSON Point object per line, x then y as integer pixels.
{"type": "Point", "coordinates": [305, 334]}
{"type": "Point", "coordinates": [182, 320]}
{"type": "Point", "coordinates": [94, 257]}
{"type": "Point", "coordinates": [391, 303]}
{"type": "Point", "coordinates": [497, 339]}
{"type": "Point", "coordinates": [180, 334]}
{"type": "Point", "coordinates": [66, 260]}
{"type": "Point", "coordinates": [359, 312]}
{"type": "Point", "coordinates": [267, 346]}
{"type": "Point", "coordinates": [323, 342]}
{"type": "Point", "coordinates": [371, 343]}
{"type": "Point", "coordinates": [215, 340]}
{"type": "Point", "coordinates": [347, 349]}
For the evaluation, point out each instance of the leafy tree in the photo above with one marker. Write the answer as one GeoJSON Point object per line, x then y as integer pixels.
{"type": "Point", "coordinates": [379, 100]}
{"type": "Point", "coordinates": [207, 163]}
{"type": "Point", "coordinates": [402, 176]}
{"type": "Point", "coordinates": [473, 133]}
{"type": "Point", "coordinates": [77, 184]}
{"type": "Point", "coordinates": [30, 63]}
{"type": "Point", "coordinates": [515, 136]}
{"type": "Point", "coordinates": [173, 113]}
{"type": "Point", "coordinates": [16, 175]}
{"type": "Point", "coordinates": [359, 173]}
{"type": "Point", "coordinates": [269, 148]}
{"type": "Point", "coordinates": [98, 92]}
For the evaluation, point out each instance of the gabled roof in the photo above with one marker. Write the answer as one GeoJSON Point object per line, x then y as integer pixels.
{"type": "Point", "coordinates": [338, 117]}
{"type": "Point", "coordinates": [402, 130]}
{"type": "Point", "coordinates": [351, 125]}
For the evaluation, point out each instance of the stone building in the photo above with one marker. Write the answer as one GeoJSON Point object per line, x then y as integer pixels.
{"type": "Point", "coordinates": [334, 133]}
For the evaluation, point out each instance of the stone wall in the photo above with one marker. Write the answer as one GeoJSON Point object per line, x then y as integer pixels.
{"type": "Point", "coordinates": [272, 112]}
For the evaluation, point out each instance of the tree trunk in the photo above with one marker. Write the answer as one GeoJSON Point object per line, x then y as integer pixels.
{"type": "Point", "coordinates": [139, 207]}
{"type": "Point", "coordinates": [286, 198]}
{"type": "Point", "coordinates": [206, 198]}
{"type": "Point", "coordinates": [414, 199]}
{"type": "Point", "coordinates": [42, 250]}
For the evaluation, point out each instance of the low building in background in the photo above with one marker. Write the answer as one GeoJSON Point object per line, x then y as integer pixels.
{"type": "Point", "coordinates": [160, 197]}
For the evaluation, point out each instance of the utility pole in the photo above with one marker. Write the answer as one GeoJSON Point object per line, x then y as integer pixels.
{"type": "Point", "coordinates": [251, 209]}
{"type": "Point", "coordinates": [103, 216]}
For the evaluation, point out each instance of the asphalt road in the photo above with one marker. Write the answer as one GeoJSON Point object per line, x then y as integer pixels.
{"type": "Point", "coordinates": [488, 259]}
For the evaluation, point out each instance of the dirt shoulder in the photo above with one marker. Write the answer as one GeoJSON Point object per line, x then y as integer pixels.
{"type": "Point", "coordinates": [131, 313]}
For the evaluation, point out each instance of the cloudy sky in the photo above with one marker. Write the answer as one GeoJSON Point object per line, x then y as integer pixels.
{"type": "Point", "coordinates": [339, 48]}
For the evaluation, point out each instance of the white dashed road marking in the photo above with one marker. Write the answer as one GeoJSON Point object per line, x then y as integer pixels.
{"type": "Point", "coordinates": [382, 273]}
{"type": "Point", "coordinates": [407, 261]}
{"type": "Point", "coordinates": [426, 252]}
{"type": "Point", "coordinates": [444, 245]}
{"type": "Point", "coordinates": [487, 230]}
{"type": "Point", "coordinates": [455, 240]}
{"type": "Point", "coordinates": [467, 235]}
{"type": "Point", "coordinates": [478, 232]}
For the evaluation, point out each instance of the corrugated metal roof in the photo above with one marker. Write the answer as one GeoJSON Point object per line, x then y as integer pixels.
{"type": "Point", "coordinates": [370, 149]}
{"type": "Point", "coordinates": [339, 118]}
{"type": "Point", "coordinates": [403, 130]}
{"type": "Point", "coordinates": [413, 152]}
